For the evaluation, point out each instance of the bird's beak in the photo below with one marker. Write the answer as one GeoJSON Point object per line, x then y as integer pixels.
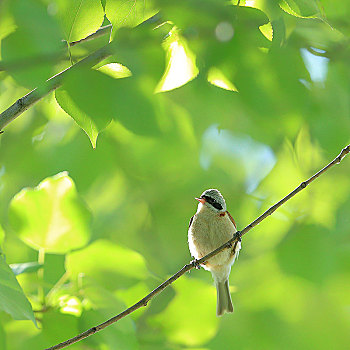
{"type": "Point", "coordinates": [202, 200]}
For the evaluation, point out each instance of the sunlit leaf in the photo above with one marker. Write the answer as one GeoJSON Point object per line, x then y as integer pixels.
{"type": "Point", "coordinates": [217, 78]}
{"type": "Point", "coordinates": [124, 13]}
{"type": "Point", "coordinates": [70, 305]}
{"type": "Point", "coordinates": [12, 298]}
{"type": "Point", "coordinates": [115, 70]}
{"type": "Point", "coordinates": [180, 65]}
{"type": "Point", "coordinates": [51, 216]}
{"type": "Point", "coordinates": [300, 8]}
{"type": "Point", "coordinates": [111, 265]}
{"type": "Point", "coordinates": [79, 18]}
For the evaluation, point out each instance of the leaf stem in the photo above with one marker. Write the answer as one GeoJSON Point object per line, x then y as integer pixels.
{"type": "Point", "coordinates": [41, 292]}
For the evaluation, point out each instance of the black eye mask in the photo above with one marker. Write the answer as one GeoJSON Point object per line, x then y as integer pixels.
{"type": "Point", "coordinates": [212, 202]}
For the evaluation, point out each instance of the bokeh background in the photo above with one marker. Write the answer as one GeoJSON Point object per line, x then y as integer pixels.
{"type": "Point", "coordinates": [97, 180]}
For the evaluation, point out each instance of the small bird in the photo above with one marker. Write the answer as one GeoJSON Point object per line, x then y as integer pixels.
{"type": "Point", "coordinates": [209, 228]}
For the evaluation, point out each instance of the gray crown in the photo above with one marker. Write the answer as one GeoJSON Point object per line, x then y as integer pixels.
{"type": "Point", "coordinates": [216, 197]}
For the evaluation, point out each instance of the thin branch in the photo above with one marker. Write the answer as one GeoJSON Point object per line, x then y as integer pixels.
{"type": "Point", "coordinates": [22, 104]}
{"type": "Point", "coordinates": [144, 301]}
{"type": "Point", "coordinates": [53, 57]}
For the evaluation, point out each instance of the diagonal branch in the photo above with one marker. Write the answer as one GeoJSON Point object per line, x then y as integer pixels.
{"type": "Point", "coordinates": [55, 56]}
{"type": "Point", "coordinates": [196, 263]}
{"type": "Point", "coordinates": [22, 104]}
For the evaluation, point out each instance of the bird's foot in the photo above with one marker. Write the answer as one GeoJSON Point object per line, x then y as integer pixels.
{"type": "Point", "coordinates": [238, 236]}
{"type": "Point", "coordinates": [195, 264]}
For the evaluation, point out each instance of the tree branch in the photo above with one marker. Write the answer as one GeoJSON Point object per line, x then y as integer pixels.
{"type": "Point", "coordinates": [22, 104]}
{"type": "Point", "coordinates": [195, 263]}
{"type": "Point", "coordinates": [56, 56]}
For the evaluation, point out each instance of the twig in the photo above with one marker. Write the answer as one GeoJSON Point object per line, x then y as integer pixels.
{"type": "Point", "coordinates": [195, 263]}
{"type": "Point", "coordinates": [56, 56]}
{"type": "Point", "coordinates": [22, 104]}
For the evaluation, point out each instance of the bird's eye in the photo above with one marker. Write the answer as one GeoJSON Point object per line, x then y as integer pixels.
{"type": "Point", "coordinates": [213, 202]}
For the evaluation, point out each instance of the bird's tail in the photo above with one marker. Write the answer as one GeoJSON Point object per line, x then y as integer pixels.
{"type": "Point", "coordinates": [224, 302]}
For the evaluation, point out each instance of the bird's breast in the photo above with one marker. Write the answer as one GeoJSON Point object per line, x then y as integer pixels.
{"type": "Point", "coordinates": [209, 231]}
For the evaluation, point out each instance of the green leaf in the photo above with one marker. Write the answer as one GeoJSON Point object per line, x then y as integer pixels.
{"type": "Point", "coordinates": [102, 97]}
{"type": "Point", "coordinates": [81, 118]}
{"type": "Point", "coordinates": [28, 267]}
{"type": "Point", "coordinates": [124, 13]}
{"type": "Point", "coordinates": [79, 18]}
{"type": "Point", "coordinates": [115, 70]}
{"type": "Point", "coordinates": [51, 216]}
{"type": "Point", "coordinates": [111, 265]}
{"type": "Point", "coordinates": [12, 298]}
{"type": "Point", "coordinates": [300, 8]}
{"type": "Point", "coordinates": [32, 48]}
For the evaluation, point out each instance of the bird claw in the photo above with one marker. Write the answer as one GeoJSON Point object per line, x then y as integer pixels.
{"type": "Point", "coordinates": [195, 264]}
{"type": "Point", "coordinates": [238, 236]}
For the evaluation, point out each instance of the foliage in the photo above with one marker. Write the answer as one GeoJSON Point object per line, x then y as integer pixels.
{"type": "Point", "coordinates": [250, 97]}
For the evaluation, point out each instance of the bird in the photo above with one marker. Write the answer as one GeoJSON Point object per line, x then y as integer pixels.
{"type": "Point", "coordinates": [210, 227]}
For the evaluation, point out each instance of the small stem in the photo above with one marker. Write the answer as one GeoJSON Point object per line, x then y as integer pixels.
{"type": "Point", "coordinates": [58, 285]}
{"type": "Point", "coordinates": [41, 292]}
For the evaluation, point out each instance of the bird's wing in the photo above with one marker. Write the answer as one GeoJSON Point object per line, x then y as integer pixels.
{"type": "Point", "coordinates": [189, 225]}
{"type": "Point", "coordinates": [231, 218]}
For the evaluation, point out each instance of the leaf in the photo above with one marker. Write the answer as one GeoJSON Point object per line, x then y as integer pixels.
{"type": "Point", "coordinates": [51, 216]}
{"type": "Point", "coordinates": [300, 8]}
{"type": "Point", "coordinates": [193, 297]}
{"type": "Point", "coordinates": [102, 97]}
{"type": "Point", "coordinates": [12, 298]}
{"type": "Point", "coordinates": [111, 265]}
{"type": "Point", "coordinates": [31, 49]}
{"type": "Point", "coordinates": [79, 18]}
{"type": "Point", "coordinates": [180, 63]}
{"type": "Point", "coordinates": [81, 118]}
{"type": "Point", "coordinates": [128, 13]}
{"type": "Point", "coordinates": [28, 267]}
{"type": "Point", "coordinates": [115, 70]}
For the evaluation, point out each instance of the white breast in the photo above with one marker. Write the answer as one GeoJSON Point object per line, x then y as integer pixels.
{"type": "Point", "coordinates": [207, 232]}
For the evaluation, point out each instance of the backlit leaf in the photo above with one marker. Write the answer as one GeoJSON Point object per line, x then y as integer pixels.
{"type": "Point", "coordinates": [111, 265]}
{"type": "Point", "coordinates": [79, 18]}
{"type": "Point", "coordinates": [125, 13]}
{"type": "Point", "coordinates": [51, 216]}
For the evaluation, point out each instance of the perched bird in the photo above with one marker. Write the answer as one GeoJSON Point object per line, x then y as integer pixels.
{"type": "Point", "coordinates": [209, 228]}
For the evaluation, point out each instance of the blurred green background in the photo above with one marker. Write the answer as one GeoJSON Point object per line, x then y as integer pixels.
{"type": "Point", "coordinates": [97, 180]}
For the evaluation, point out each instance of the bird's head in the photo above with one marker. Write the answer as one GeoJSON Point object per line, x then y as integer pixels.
{"type": "Point", "coordinates": [213, 199]}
